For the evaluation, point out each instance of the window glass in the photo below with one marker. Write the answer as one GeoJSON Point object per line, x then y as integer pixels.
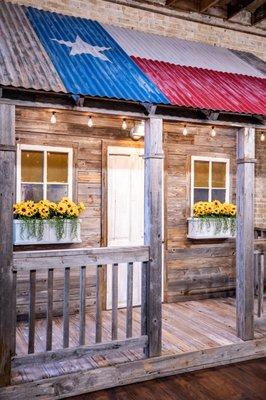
{"type": "Point", "coordinates": [219, 194]}
{"type": "Point", "coordinates": [44, 174]}
{"type": "Point", "coordinates": [31, 191]}
{"type": "Point", "coordinates": [57, 167]}
{"type": "Point", "coordinates": [32, 166]}
{"type": "Point", "coordinates": [56, 192]}
{"type": "Point", "coordinates": [201, 174]}
{"type": "Point", "coordinates": [201, 195]}
{"type": "Point", "coordinates": [218, 175]}
{"type": "Point", "coordinates": [210, 180]}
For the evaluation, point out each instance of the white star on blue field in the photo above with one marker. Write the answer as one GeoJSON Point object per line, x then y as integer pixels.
{"type": "Point", "coordinates": [82, 47]}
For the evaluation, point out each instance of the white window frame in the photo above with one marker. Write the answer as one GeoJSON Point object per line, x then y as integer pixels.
{"type": "Point", "coordinates": [45, 150]}
{"type": "Point", "coordinates": [210, 160]}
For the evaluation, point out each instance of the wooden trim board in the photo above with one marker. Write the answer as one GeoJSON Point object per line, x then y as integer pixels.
{"type": "Point", "coordinates": [130, 372]}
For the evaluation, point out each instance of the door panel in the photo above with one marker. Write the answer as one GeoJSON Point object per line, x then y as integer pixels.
{"type": "Point", "coordinates": [125, 214]}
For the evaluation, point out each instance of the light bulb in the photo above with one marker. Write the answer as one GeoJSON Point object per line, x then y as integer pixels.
{"type": "Point", "coordinates": [53, 118]}
{"type": "Point", "coordinates": [124, 124]}
{"type": "Point", "coordinates": [213, 132]}
{"type": "Point", "coordinates": [262, 137]}
{"type": "Point", "coordinates": [185, 131]}
{"type": "Point", "coordinates": [90, 122]}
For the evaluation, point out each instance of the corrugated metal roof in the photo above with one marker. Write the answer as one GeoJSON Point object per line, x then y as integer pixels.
{"type": "Point", "coordinates": [180, 52]}
{"type": "Point", "coordinates": [88, 59]}
{"type": "Point", "coordinates": [23, 61]}
{"type": "Point", "coordinates": [204, 89]}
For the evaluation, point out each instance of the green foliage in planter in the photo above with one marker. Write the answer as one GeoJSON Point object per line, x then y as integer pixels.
{"type": "Point", "coordinates": [221, 224]}
{"type": "Point", "coordinates": [34, 228]}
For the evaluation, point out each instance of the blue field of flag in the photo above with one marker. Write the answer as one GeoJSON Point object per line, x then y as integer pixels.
{"type": "Point", "coordinates": [89, 61]}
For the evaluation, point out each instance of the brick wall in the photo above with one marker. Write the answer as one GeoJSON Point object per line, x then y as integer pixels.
{"type": "Point", "coordinates": [260, 183]}
{"type": "Point", "coordinates": [154, 22]}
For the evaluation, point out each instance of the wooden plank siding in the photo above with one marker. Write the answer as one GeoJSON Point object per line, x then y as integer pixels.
{"type": "Point", "coordinates": [193, 269]}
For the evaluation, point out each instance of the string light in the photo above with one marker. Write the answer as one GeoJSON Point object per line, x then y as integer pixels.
{"type": "Point", "coordinates": [53, 118]}
{"type": "Point", "coordinates": [262, 137]}
{"type": "Point", "coordinates": [185, 131]}
{"type": "Point", "coordinates": [124, 124]}
{"type": "Point", "coordinates": [90, 122]}
{"type": "Point", "coordinates": [213, 132]}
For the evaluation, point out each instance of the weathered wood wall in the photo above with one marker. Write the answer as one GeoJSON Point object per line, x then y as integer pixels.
{"type": "Point", "coordinates": [193, 269]}
{"type": "Point", "coordinates": [71, 130]}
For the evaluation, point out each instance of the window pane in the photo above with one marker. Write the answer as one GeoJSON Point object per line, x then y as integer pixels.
{"type": "Point", "coordinates": [31, 192]}
{"type": "Point", "coordinates": [201, 195]}
{"type": "Point", "coordinates": [218, 174]}
{"type": "Point", "coordinates": [31, 166]}
{"type": "Point", "coordinates": [56, 192]}
{"type": "Point", "coordinates": [218, 194]}
{"type": "Point", "coordinates": [201, 174]}
{"type": "Point", "coordinates": [57, 167]}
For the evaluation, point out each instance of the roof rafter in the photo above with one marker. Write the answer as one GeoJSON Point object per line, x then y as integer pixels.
{"type": "Point", "coordinates": [258, 15]}
{"type": "Point", "coordinates": [205, 4]}
{"type": "Point", "coordinates": [235, 7]}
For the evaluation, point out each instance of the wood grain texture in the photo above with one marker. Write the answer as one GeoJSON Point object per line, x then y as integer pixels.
{"type": "Point", "coordinates": [243, 380]}
{"type": "Point", "coordinates": [196, 335]}
{"type": "Point", "coordinates": [245, 233]}
{"type": "Point", "coordinates": [130, 267]}
{"type": "Point", "coordinates": [114, 301]}
{"type": "Point", "coordinates": [153, 171]}
{"type": "Point", "coordinates": [32, 301]}
{"type": "Point", "coordinates": [49, 314]}
{"type": "Point", "coordinates": [7, 183]}
{"type": "Point", "coordinates": [66, 308]}
{"type": "Point", "coordinates": [82, 305]}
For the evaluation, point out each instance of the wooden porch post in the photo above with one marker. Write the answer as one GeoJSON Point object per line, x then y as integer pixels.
{"type": "Point", "coordinates": [245, 233]}
{"type": "Point", "coordinates": [153, 231]}
{"type": "Point", "coordinates": [7, 185]}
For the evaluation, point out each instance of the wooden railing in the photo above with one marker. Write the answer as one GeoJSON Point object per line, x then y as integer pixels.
{"type": "Point", "coordinates": [259, 270]}
{"type": "Point", "coordinates": [49, 261]}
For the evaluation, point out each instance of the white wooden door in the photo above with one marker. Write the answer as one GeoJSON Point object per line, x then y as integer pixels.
{"type": "Point", "coordinates": [125, 214]}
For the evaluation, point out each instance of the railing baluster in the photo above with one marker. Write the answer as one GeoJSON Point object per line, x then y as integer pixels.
{"type": "Point", "coordinates": [130, 266]}
{"type": "Point", "coordinates": [98, 328]}
{"type": "Point", "coordinates": [32, 311]}
{"type": "Point", "coordinates": [144, 272]}
{"type": "Point", "coordinates": [256, 267]}
{"type": "Point", "coordinates": [261, 265]}
{"type": "Point", "coordinates": [49, 311]}
{"type": "Point", "coordinates": [66, 309]}
{"type": "Point", "coordinates": [14, 311]}
{"type": "Point", "coordinates": [82, 305]}
{"type": "Point", "coordinates": [114, 300]}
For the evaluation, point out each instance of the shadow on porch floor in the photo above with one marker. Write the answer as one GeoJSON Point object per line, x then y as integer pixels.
{"type": "Point", "coordinates": [187, 327]}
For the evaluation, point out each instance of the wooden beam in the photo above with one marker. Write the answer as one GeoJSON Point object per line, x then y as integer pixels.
{"type": "Point", "coordinates": [259, 14]}
{"type": "Point", "coordinates": [45, 259]}
{"type": "Point", "coordinates": [7, 186]}
{"type": "Point", "coordinates": [153, 230]}
{"type": "Point", "coordinates": [235, 7]}
{"type": "Point", "coordinates": [245, 234]}
{"type": "Point", "coordinates": [80, 351]}
{"type": "Point", "coordinates": [205, 4]}
{"type": "Point", "coordinates": [91, 380]}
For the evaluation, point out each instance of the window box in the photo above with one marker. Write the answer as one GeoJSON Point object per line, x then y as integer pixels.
{"type": "Point", "coordinates": [211, 228]}
{"type": "Point", "coordinates": [22, 236]}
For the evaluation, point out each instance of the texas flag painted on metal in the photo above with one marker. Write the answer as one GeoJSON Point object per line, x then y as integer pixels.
{"type": "Point", "coordinates": [89, 61]}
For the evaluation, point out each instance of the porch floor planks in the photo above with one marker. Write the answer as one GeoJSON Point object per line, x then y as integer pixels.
{"type": "Point", "coordinates": [187, 326]}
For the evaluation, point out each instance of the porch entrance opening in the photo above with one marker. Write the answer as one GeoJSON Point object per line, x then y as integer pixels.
{"type": "Point", "coordinates": [125, 167]}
